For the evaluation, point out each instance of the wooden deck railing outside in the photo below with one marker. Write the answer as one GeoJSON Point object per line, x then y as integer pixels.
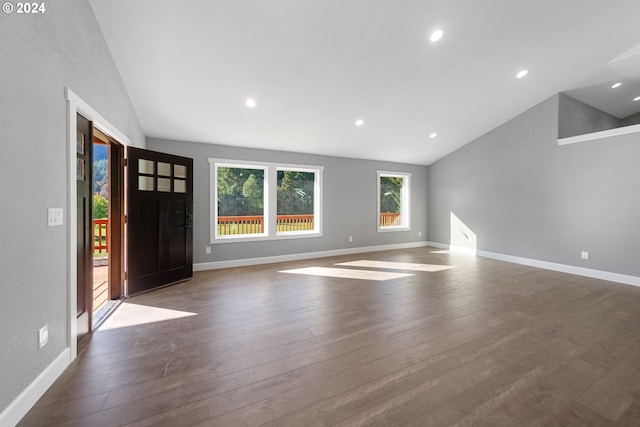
{"type": "Point", "coordinates": [245, 224]}
{"type": "Point", "coordinates": [100, 269]}
{"type": "Point", "coordinates": [254, 224]}
{"type": "Point", "coordinates": [389, 219]}
{"type": "Point", "coordinates": [294, 222]}
{"type": "Point", "coordinates": [100, 235]}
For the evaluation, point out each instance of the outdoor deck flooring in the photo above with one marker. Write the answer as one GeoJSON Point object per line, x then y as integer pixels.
{"type": "Point", "coordinates": [100, 286]}
{"type": "Point", "coordinates": [417, 337]}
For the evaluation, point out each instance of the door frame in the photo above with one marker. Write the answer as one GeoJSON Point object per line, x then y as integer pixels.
{"type": "Point", "coordinates": [116, 217]}
{"type": "Point", "coordinates": [75, 105]}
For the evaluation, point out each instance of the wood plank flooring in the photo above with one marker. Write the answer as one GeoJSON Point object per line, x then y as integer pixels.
{"type": "Point", "coordinates": [100, 287]}
{"type": "Point", "coordinates": [457, 341]}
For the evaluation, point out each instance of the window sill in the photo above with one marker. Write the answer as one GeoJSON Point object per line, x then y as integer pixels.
{"type": "Point", "coordinates": [389, 229]}
{"type": "Point", "coordinates": [262, 238]}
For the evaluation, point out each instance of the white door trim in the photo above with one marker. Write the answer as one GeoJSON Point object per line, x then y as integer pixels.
{"type": "Point", "coordinates": [75, 104]}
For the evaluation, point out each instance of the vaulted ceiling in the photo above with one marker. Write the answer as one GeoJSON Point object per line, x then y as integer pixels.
{"type": "Point", "coordinates": [314, 67]}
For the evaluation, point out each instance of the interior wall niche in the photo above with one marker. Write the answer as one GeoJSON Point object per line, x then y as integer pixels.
{"type": "Point", "coordinates": [631, 120]}
{"type": "Point", "coordinates": [577, 118]}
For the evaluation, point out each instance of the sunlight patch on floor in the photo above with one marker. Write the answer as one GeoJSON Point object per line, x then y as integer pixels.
{"type": "Point", "coordinates": [397, 265]}
{"type": "Point", "coordinates": [129, 314]}
{"type": "Point", "coordinates": [346, 273]}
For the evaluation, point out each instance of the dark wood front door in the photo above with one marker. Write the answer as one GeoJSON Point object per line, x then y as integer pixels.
{"type": "Point", "coordinates": [159, 219]}
{"type": "Point", "coordinates": [84, 203]}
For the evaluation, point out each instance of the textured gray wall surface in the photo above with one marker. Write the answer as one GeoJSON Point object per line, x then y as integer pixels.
{"type": "Point", "coordinates": [577, 118]}
{"type": "Point", "coordinates": [40, 55]}
{"type": "Point", "coordinates": [524, 195]}
{"type": "Point", "coordinates": [633, 119]}
{"type": "Point", "coordinates": [349, 202]}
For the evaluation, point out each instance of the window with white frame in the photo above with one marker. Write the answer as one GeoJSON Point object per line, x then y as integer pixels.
{"type": "Point", "coordinates": [257, 201]}
{"type": "Point", "coordinates": [394, 201]}
{"type": "Point", "coordinates": [241, 192]}
{"type": "Point", "coordinates": [296, 207]}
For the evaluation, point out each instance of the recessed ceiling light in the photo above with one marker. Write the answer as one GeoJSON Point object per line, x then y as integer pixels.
{"type": "Point", "coordinates": [637, 98]}
{"type": "Point", "coordinates": [521, 74]}
{"type": "Point", "coordinates": [436, 35]}
{"type": "Point", "coordinates": [433, 135]}
{"type": "Point", "coordinates": [616, 85]}
{"type": "Point", "coordinates": [359, 122]}
{"type": "Point", "coordinates": [251, 103]}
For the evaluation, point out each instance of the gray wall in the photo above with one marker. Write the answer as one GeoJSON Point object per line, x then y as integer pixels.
{"type": "Point", "coordinates": [349, 199]}
{"type": "Point", "coordinates": [633, 119]}
{"type": "Point", "coordinates": [577, 118]}
{"type": "Point", "coordinates": [39, 56]}
{"type": "Point", "coordinates": [524, 195]}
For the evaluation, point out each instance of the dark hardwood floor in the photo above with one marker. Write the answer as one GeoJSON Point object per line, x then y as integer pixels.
{"type": "Point", "coordinates": [454, 340]}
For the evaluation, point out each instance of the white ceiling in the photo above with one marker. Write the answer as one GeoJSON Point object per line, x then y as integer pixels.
{"type": "Point", "coordinates": [315, 66]}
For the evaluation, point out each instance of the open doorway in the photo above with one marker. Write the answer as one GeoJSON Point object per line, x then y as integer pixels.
{"type": "Point", "coordinates": [82, 121]}
{"type": "Point", "coordinates": [107, 226]}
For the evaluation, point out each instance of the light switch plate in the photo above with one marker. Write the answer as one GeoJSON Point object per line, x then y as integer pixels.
{"type": "Point", "coordinates": [55, 217]}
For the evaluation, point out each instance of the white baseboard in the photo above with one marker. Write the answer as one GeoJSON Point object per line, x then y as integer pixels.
{"type": "Point", "coordinates": [439, 245]}
{"type": "Point", "coordinates": [17, 409]}
{"type": "Point", "coordinates": [564, 268]}
{"type": "Point", "coordinates": [307, 255]}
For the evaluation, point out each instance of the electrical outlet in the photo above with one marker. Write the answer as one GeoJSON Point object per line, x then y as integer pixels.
{"type": "Point", "coordinates": [419, 233]}
{"type": "Point", "coordinates": [207, 250]}
{"type": "Point", "coordinates": [43, 336]}
{"type": "Point", "coordinates": [350, 239]}
{"type": "Point", "coordinates": [585, 254]}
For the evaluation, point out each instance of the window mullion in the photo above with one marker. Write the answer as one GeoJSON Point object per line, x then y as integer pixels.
{"type": "Point", "coordinates": [271, 203]}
